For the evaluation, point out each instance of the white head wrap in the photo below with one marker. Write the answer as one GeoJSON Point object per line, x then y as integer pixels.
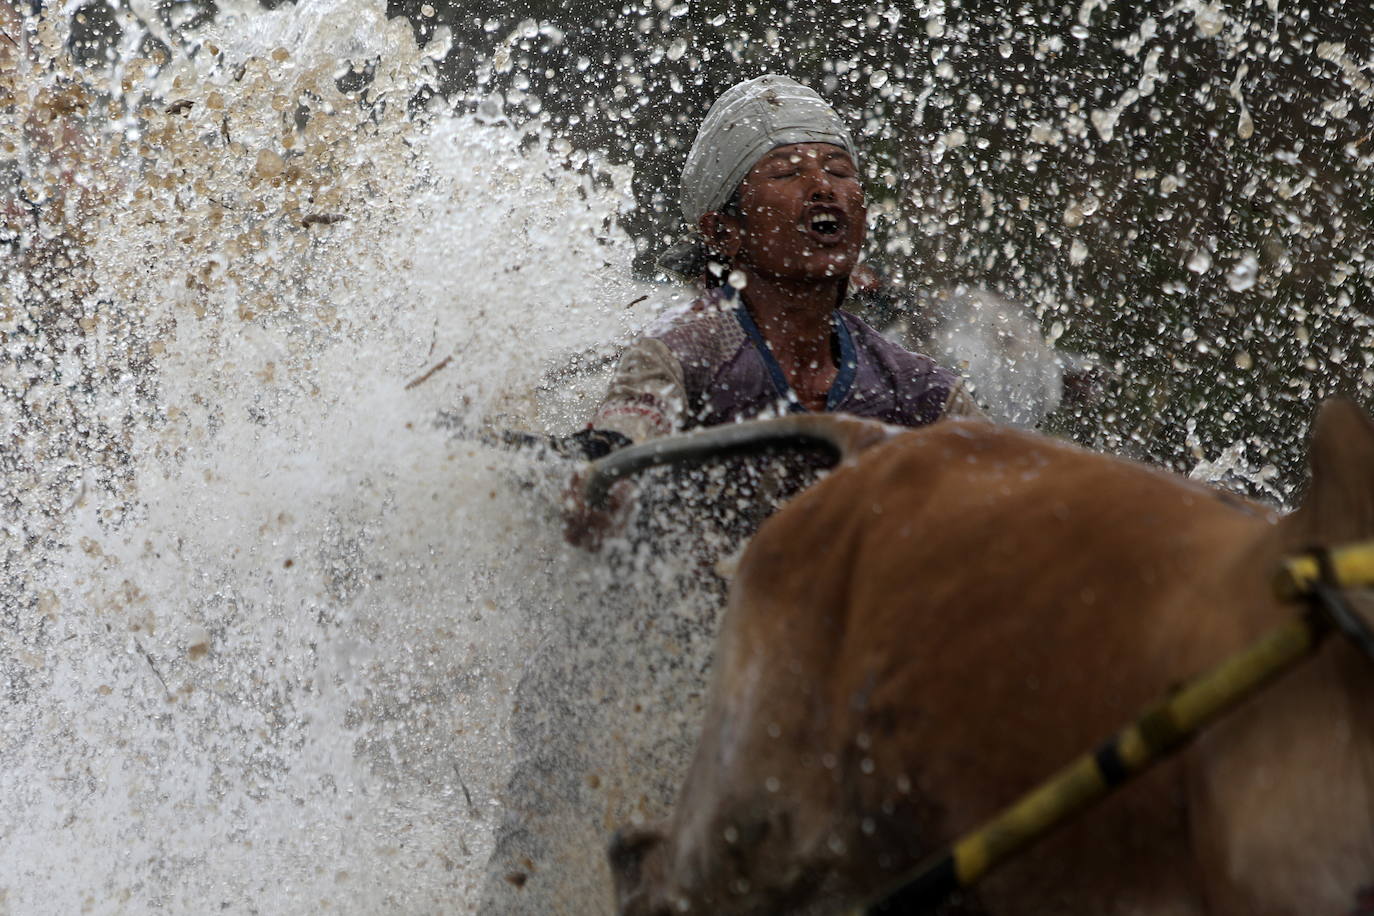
{"type": "Point", "coordinates": [748, 120]}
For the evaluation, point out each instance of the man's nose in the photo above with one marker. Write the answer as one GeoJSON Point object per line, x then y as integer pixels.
{"type": "Point", "coordinates": [822, 187]}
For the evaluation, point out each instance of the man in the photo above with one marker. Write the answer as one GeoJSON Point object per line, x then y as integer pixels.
{"type": "Point", "coordinates": [603, 734]}
{"type": "Point", "coordinates": [772, 188]}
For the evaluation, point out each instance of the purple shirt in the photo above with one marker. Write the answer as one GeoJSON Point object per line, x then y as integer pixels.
{"type": "Point", "coordinates": [710, 364]}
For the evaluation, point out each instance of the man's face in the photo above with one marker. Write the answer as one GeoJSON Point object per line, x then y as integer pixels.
{"type": "Point", "coordinates": [803, 213]}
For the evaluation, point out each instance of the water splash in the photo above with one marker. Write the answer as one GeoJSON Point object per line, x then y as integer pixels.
{"type": "Point", "coordinates": [262, 612]}
{"type": "Point", "coordinates": [245, 576]}
{"type": "Point", "coordinates": [1243, 274]}
{"type": "Point", "coordinates": [1233, 469]}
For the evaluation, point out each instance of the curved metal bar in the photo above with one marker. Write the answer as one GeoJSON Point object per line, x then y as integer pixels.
{"type": "Point", "coordinates": [842, 436]}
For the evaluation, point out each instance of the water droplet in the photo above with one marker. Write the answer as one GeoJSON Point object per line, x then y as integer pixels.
{"type": "Point", "coordinates": [1104, 121]}
{"type": "Point", "coordinates": [269, 164]}
{"type": "Point", "coordinates": [1245, 129]}
{"type": "Point", "coordinates": [1044, 132]}
{"type": "Point", "coordinates": [1209, 18]}
{"type": "Point", "coordinates": [1078, 252]}
{"type": "Point", "coordinates": [737, 279]}
{"type": "Point", "coordinates": [878, 80]}
{"type": "Point", "coordinates": [1244, 274]}
{"type": "Point", "coordinates": [1201, 261]}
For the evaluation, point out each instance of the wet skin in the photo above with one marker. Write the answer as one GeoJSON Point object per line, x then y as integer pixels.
{"type": "Point", "coordinates": [800, 226]}
{"type": "Point", "coordinates": [804, 214]}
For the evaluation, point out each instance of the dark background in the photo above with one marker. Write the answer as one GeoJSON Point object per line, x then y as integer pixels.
{"type": "Point", "coordinates": [1094, 231]}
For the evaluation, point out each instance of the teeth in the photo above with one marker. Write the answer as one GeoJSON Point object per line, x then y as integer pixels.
{"type": "Point", "coordinates": [824, 222]}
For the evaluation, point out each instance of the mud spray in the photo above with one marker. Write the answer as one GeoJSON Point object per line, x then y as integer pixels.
{"type": "Point", "coordinates": [276, 634]}
{"type": "Point", "coordinates": [264, 605]}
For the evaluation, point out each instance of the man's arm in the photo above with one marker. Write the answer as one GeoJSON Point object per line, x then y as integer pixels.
{"type": "Point", "coordinates": [646, 398]}
{"type": "Point", "coordinates": [647, 395]}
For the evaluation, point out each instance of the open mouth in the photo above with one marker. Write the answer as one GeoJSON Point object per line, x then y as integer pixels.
{"type": "Point", "coordinates": [825, 224]}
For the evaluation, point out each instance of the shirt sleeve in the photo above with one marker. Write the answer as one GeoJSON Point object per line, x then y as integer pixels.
{"type": "Point", "coordinates": [961, 404]}
{"type": "Point", "coordinates": [647, 395]}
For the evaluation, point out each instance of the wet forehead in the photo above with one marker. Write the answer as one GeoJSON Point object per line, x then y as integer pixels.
{"type": "Point", "coordinates": [823, 151]}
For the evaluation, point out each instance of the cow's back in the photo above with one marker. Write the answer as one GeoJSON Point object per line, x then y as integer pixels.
{"type": "Point", "coordinates": [944, 622]}
{"type": "Point", "coordinates": [1008, 601]}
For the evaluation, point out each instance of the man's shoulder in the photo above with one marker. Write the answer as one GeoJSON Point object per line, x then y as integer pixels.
{"type": "Point", "coordinates": [698, 314]}
{"type": "Point", "coordinates": [920, 389]}
{"type": "Point", "coordinates": [889, 351]}
{"type": "Point", "coordinates": [701, 333]}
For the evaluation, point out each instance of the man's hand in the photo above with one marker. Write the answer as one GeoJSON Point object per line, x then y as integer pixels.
{"type": "Point", "coordinates": [588, 527]}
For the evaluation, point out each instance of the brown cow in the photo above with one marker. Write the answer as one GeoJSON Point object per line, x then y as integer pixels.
{"type": "Point", "coordinates": [949, 618]}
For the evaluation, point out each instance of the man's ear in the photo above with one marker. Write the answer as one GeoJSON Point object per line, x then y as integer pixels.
{"type": "Point", "coordinates": [722, 233]}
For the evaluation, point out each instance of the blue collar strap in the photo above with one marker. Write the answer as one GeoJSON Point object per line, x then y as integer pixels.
{"type": "Point", "coordinates": [848, 364]}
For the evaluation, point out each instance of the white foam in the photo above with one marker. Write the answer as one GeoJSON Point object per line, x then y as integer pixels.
{"type": "Point", "coordinates": [268, 646]}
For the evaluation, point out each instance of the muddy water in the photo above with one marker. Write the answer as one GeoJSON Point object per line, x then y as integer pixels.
{"type": "Point", "coordinates": [265, 603]}
{"type": "Point", "coordinates": [276, 633]}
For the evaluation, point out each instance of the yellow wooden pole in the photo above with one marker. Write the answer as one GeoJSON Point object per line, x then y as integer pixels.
{"type": "Point", "coordinates": [1160, 730]}
{"type": "Point", "coordinates": [1352, 566]}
